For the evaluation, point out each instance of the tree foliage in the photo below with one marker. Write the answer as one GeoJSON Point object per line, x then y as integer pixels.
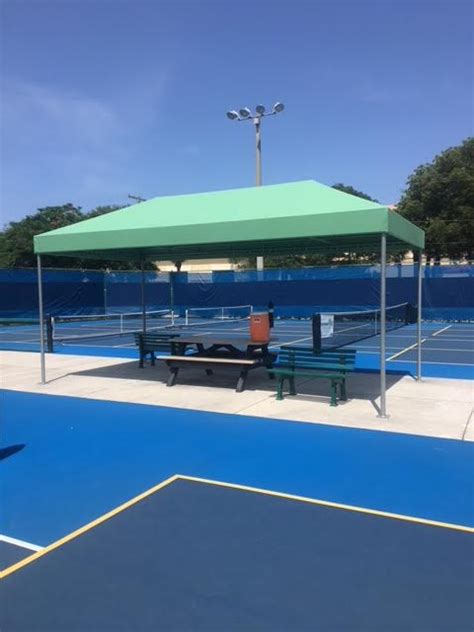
{"type": "Point", "coordinates": [347, 188]}
{"type": "Point", "coordinates": [16, 240]}
{"type": "Point", "coordinates": [440, 199]}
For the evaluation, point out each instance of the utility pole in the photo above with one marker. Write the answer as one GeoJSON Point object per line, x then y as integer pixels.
{"type": "Point", "coordinates": [137, 198]}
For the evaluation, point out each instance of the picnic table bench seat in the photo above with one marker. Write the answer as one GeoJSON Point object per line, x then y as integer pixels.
{"type": "Point", "coordinates": [208, 362]}
{"type": "Point", "coordinates": [149, 342]}
{"type": "Point", "coordinates": [295, 362]}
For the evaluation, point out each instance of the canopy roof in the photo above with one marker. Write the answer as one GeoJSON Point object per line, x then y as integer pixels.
{"type": "Point", "coordinates": [293, 218]}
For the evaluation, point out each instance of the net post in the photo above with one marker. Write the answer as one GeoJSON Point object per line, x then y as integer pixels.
{"type": "Point", "coordinates": [383, 305]}
{"type": "Point", "coordinates": [104, 278]}
{"type": "Point", "coordinates": [172, 306]}
{"type": "Point", "coordinates": [41, 319]}
{"type": "Point", "coordinates": [418, 315]}
{"type": "Point", "coordinates": [49, 334]}
{"type": "Point", "coordinates": [316, 333]}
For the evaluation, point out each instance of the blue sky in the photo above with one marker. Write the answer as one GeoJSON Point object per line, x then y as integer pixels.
{"type": "Point", "coordinates": [102, 98]}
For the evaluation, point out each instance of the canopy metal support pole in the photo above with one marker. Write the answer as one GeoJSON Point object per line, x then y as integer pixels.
{"type": "Point", "coordinates": [41, 319]}
{"type": "Point", "coordinates": [383, 305]}
{"type": "Point", "coordinates": [142, 287]}
{"type": "Point", "coordinates": [419, 310]}
{"type": "Point", "coordinates": [258, 171]}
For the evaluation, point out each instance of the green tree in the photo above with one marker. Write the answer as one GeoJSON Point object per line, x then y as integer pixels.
{"type": "Point", "coordinates": [16, 240]}
{"type": "Point", "coordinates": [347, 188]}
{"type": "Point", "coordinates": [440, 199]}
{"type": "Point", "coordinates": [17, 237]}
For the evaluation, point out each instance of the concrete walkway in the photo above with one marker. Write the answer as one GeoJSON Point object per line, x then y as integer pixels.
{"type": "Point", "coordinates": [434, 407]}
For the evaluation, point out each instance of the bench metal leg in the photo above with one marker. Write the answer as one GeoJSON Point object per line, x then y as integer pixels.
{"type": "Point", "coordinates": [142, 357]}
{"type": "Point", "coordinates": [279, 394]}
{"type": "Point", "coordinates": [292, 386]}
{"type": "Point", "coordinates": [172, 376]}
{"type": "Point", "coordinates": [241, 381]}
{"type": "Point", "coordinates": [343, 390]}
{"type": "Point", "coordinates": [152, 358]}
{"type": "Point", "coordinates": [269, 365]}
{"type": "Point", "coordinates": [333, 393]}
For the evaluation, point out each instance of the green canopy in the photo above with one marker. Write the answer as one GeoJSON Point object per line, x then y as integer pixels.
{"type": "Point", "coordinates": [297, 217]}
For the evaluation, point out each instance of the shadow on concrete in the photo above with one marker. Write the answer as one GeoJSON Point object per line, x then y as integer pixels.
{"type": "Point", "coordinates": [359, 385]}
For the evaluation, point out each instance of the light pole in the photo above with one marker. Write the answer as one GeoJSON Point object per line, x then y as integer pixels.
{"type": "Point", "coordinates": [245, 114]}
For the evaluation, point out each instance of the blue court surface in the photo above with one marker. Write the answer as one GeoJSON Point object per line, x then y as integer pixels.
{"type": "Point", "coordinates": [447, 348]}
{"type": "Point", "coordinates": [132, 517]}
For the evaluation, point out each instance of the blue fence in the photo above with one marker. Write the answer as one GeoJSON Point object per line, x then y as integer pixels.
{"type": "Point", "coordinates": [448, 291]}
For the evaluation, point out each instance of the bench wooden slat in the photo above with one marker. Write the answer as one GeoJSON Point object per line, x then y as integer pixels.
{"type": "Point", "coordinates": [322, 356]}
{"type": "Point", "coordinates": [329, 375]}
{"type": "Point", "coordinates": [328, 366]}
{"type": "Point", "coordinates": [149, 342]}
{"type": "Point", "coordinates": [308, 350]}
{"type": "Point", "coordinates": [309, 353]}
{"type": "Point", "coordinates": [208, 359]}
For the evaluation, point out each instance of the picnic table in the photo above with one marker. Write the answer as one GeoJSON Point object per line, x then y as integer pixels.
{"type": "Point", "coordinates": [209, 351]}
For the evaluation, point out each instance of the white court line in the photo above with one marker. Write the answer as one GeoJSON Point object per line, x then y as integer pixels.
{"type": "Point", "coordinates": [440, 331]}
{"type": "Point", "coordinates": [22, 543]}
{"type": "Point", "coordinates": [424, 362]}
{"type": "Point", "coordinates": [436, 333]}
{"type": "Point", "coordinates": [429, 348]}
{"type": "Point", "coordinates": [453, 339]}
{"type": "Point", "coordinates": [442, 363]}
{"type": "Point", "coordinates": [291, 342]}
{"type": "Point", "coordinates": [396, 355]}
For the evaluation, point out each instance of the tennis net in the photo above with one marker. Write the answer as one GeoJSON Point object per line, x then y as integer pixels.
{"type": "Point", "coordinates": [69, 328]}
{"type": "Point", "coordinates": [344, 328]}
{"type": "Point", "coordinates": [193, 315]}
{"type": "Point", "coordinates": [23, 333]}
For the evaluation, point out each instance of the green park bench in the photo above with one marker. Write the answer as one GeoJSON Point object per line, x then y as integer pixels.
{"type": "Point", "coordinates": [295, 362]}
{"type": "Point", "coordinates": [149, 342]}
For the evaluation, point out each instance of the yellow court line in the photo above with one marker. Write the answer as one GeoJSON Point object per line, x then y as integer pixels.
{"type": "Point", "coordinates": [327, 503]}
{"type": "Point", "coordinates": [246, 488]}
{"type": "Point", "coordinates": [87, 527]}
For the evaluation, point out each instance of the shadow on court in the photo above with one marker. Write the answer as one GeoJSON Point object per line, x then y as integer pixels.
{"type": "Point", "coordinates": [11, 450]}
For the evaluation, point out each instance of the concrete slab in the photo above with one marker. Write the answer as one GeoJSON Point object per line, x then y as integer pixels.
{"type": "Point", "coordinates": [434, 407]}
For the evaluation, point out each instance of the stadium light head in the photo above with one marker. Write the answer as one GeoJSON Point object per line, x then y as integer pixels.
{"type": "Point", "coordinates": [278, 107]}
{"type": "Point", "coordinates": [260, 109]}
{"type": "Point", "coordinates": [245, 113]}
{"type": "Point", "coordinates": [232, 115]}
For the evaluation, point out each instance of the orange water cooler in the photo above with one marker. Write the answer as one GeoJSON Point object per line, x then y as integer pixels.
{"type": "Point", "coordinates": [260, 327]}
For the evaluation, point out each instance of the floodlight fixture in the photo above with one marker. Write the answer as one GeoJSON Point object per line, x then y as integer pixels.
{"type": "Point", "coordinates": [278, 107]}
{"type": "Point", "coordinates": [245, 113]}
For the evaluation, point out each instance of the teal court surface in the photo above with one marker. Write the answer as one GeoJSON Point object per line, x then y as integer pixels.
{"type": "Point", "coordinates": [123, 516]}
